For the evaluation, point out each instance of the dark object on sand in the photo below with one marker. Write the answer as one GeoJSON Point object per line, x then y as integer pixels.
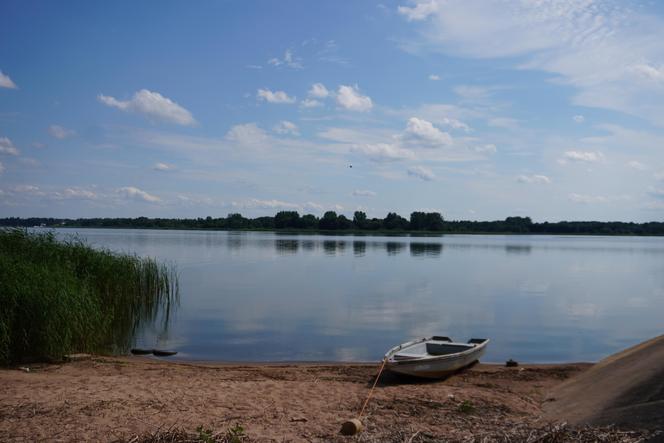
{"type": "Point", "coordinates": [161, 353]}
{"type": "Point", "coordinates": [138, 351]}
{"type": "Point", "coordinates": [351, 427]}
{"type": "Point", "coordinates": [511, 363]}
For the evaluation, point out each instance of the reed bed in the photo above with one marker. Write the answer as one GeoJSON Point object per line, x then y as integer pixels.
{"type": "Point", "coordinates": [59, 297]}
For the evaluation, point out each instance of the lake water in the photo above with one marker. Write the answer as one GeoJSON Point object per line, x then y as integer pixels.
{"type": "Point", "coordinates": [248, 296]}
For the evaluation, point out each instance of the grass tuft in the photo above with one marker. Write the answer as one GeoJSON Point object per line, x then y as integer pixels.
{"type": "Point", "coordinates": [60, 297]}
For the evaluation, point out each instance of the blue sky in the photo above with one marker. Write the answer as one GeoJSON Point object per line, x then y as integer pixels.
{"type": "Point", "coordinates": [477, 109]}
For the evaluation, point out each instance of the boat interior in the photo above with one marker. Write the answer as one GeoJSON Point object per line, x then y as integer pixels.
{"type": "Point", "coordinates": [434, 347]}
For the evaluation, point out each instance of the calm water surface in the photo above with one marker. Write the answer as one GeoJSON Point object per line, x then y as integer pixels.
{"type": "Point", "coordinates": [249, 296]}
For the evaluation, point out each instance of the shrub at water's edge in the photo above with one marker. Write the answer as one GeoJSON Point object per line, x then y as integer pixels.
{"type": "Point", "coordinates": [63, 297]}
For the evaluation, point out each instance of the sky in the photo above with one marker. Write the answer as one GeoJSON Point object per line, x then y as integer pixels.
{"type": "Point", "coordinates": [478, 109]}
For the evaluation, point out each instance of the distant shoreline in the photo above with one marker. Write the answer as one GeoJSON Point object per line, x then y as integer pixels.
{"type": "Point", "coordinates": [291, 222]}
{"type": "Point", "coordinates": [358, 233]}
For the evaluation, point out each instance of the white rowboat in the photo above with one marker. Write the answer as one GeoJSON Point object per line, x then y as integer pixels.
{"type": "Point", "coordinates": [434, 357]}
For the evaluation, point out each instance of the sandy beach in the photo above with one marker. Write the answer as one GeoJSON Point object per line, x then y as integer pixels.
{"type": "Point", "coordinates": [117, 399]}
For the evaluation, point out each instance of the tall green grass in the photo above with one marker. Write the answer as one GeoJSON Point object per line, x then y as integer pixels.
{"type": "Point", "coordinates": [59, 297]}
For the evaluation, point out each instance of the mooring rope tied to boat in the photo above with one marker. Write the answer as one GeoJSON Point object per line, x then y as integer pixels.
{"type": "Point", "coordinates": [366, 402]}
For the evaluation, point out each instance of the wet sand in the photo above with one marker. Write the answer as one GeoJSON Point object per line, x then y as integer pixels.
{"type": "Point", "coordinates": [114, 399]}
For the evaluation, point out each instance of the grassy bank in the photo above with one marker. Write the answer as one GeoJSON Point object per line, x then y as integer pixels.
{"type": "Point", "coordinates": [63, 297]}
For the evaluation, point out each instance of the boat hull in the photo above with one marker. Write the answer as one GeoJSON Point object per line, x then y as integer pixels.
{"type": "Point", "coordinates": [435, 366]}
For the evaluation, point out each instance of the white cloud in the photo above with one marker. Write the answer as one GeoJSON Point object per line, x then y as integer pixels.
{"type": "Point", "coordinates": [489, 148]}
{"type": "Point", "coordinates": [607, 51]}
{"type": "Point", "coordinates": [60, 132]}
{"type": "Point", "coordinates": [246, 134]}
{"type": "Point", "coordinates": [318, 90]}
{"type": "Point", "coordinates": [255, 203]}
{"type": "Point", "coordinates": [472, 92]}
{"type": "Point", "coordinates": [363, 193]}
{"type": "Point", "coordinates": [383, 152]}
{"type": "Point", "coordinates": [434, 77]}
{"type": "Point", "coordinates": [151, 104]}
{"type": "Point", "coordinates": [594, 199]}
{"type": "Point", "coordinates": [578, 119]}
{"type": "Point", "coordinates": [195, 200]}
{"type": "Point", "coordinates": [421, 172]}
{"type": "Point", "coordinates": [659, 175]}
{"type": "Point", "coordinates": [634, 164]}
{"type": "Point", "coordinates": [279, 97]}
{"type": "Point", "coordinates": [159, 166]}
{"type": "Point", "coordinates": [26, 188]}
{"type": "Point", "coordinates": [423, 132]}
{"type": "Point", "coordinates": [314, 206]}
{"type": "Point", "coordinates": [454, 124]}
{"type": "Point", "coordinates": [350, 98]}
{"type": "Point", "coordinates": [134, 193]}
{"type": "Point", "coordinates": [582, 156]}
{"type": "Point", "coordinates": [309, 103]}
{"type": "Point", "coordinates": [534, 179]}
{"type": "Point", "coordinates": [289, 60]}
{"type": "Point", "coordinates": [503, 122]}
{"type": "Point", "coordinates": [6, 82]}
{"type": "Point", "coordinates": [7, 147]}
{"type": "Point", "coordinates": [77, 193]}
{"type": "Point", "coordinates": [420, 11]}
{"type": "Point", "coordinates": [29, 161]}
{"type": "Point", "coordinates": [650, 72]}
{"type": "Point", "coordinates": [656, 192]}
{"type": "Point", "coordinates": [286, 127]}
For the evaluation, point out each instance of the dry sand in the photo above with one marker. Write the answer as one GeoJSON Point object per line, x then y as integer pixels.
{"type": "Point", "coordinates": [116, 399]}
{"type": "Point", "coordinates": [106, 399]}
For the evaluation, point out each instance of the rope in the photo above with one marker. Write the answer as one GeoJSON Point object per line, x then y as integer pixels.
{"type": "Point", "coordinates": [366, 402]}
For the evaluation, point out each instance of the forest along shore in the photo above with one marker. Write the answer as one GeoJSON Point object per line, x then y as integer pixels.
{"type": "Point", "coordinates": [117, 399]}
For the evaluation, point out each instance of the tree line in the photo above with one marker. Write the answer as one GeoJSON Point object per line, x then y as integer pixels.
{"type": "Point", "coordinates": [331, 221]}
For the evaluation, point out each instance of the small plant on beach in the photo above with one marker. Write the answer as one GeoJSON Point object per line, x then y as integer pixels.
{"type": "Point", "coordinates": [466, 407]}
{"type": "Point", "coordinates": [236, 434]}
{"type": "Point", "coordinates": [205, 435]}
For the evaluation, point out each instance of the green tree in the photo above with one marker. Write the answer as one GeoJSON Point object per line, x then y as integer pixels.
{"type": "Point", "coordinates": [418, 221]}
{"type": "Point", "coordinates": [309, 221]}
{"type": "Point", "coordinates": [395, 221]}
{"type": "Point", "coordinates": [236, 221]}
{"type": "Point", "coordinates": [360, 219]}
{"type": "Point", "coordinates": [287, 219]}
{"type": "Point", "coordinates": [343, 222]}
{"type": "Point", "coordinates": [434, 221]}
{"type": "Point", "coordinates": [329, 220]}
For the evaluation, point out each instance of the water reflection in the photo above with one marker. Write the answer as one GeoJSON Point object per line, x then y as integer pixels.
{"type": "Point", "coordinates": [426, 249]}
{"type": "Point", "coordinates": [359, 248]}
{"type": "Point", "coordinates": [518, 249]}
{"type": "Point", "coordinates": [309, 297]}
{"type": "Point", "coordinates": [393, 248]}
{"type": "Point", "coordinates": [287, 246]}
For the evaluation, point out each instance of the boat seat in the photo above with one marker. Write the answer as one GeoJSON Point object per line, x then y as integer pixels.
{"type": "Point", "coordinates": [446, 348]}
{"type": "Point", "coordinates": [407, 356]}
{"type": "Point", "coordinates": [441, 338]}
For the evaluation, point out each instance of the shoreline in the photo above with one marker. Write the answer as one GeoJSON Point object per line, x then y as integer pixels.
{"type": "Point", "coordinates": [349, 233]}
